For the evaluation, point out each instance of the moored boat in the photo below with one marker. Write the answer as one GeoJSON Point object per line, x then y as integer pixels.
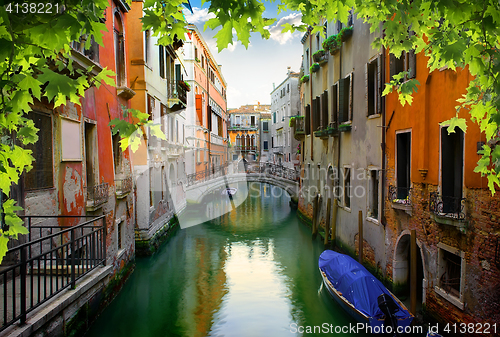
{"type": "Point", "coordinates": [361, 294]}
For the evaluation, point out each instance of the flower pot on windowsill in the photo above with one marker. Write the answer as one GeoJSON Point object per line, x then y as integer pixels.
{"type": "Point", "coordinates": [345, 128]}
{"type": "Point", "coordinates": [345, 33]}
{"type": "Point", "coordinates": [314, 68]}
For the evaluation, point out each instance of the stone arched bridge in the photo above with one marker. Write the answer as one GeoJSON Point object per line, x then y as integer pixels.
{"type": "Point", "coordinates": [203, 183]}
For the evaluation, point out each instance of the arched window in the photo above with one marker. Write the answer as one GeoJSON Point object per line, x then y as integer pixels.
{"type": "Point", "coordinates": [252, 141]}
{"type": "Point", "coordinates": [119, 50]}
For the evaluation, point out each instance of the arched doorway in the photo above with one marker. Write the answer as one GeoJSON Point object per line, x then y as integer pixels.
{"type": "Point", "coordinates": [401, 273]}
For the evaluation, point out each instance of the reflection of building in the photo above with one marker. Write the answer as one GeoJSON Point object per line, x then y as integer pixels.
{"type": "Point", "coordinates": [285, 103]}
{"type": "Point", "coordinates": [159, 165]}
{"type": "Point", "coordinates": [206, 120]}
{"type": "Point", "coordinates": [244, 131]}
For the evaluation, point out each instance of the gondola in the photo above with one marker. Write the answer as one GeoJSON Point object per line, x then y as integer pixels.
{"type": "Point", "coordinates": [362, 295]}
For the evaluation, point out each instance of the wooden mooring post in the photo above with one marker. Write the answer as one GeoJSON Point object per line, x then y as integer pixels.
{"type": "Point", "coordinates": [327, 224]}
{"type": "Point", "coordinates": [360, 237]}
{"type": "Point", "coordinates": [334, 221]}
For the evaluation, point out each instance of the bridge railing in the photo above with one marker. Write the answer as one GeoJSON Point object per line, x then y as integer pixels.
{"type": "Point", "coordinates": [208, 174]}
{"type": "Point", "coordinates": [274, 170]}
{"type": "Point", "coordinates": [261, 168]}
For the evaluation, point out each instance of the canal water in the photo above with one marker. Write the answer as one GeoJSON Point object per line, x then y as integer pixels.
{"type": "Point", "coordinates": [251, 272]}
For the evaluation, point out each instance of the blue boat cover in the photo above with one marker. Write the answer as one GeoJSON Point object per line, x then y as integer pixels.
{"type": "Point", "coordinates": [356, 283]}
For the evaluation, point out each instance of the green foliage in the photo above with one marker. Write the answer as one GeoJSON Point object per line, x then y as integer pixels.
{"type": "Point", "coordinates": [314, 67]}
{"type": "Point", "coordinates": [304, 78]}
{"type": "Point", "coordinates": [36, 66]}
{"type": "Point", "coordinates": [132, 133]}
{"type": "Point", "coordinates": [332, 44]}
{"type": "Point", "coordinates": [405, 89]}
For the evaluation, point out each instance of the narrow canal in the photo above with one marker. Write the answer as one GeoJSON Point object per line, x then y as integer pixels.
{"type": "Point", "coordinates": [251, 272]}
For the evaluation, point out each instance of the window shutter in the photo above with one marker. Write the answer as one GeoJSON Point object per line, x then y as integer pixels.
{"type": "Point", "coordinates": [334, 104]}
{"type": "Point", "coordinates": [392, 65]}
{"type": "Point", "coordinates": [342, 102]}
{"type": "Point", "coordinates": [325, 109]}
{"type": "Point", "coordinates": [378, 96]}
{"type": "Point", "coordinates": [349, 96]}
{"type": "Point", "coordinates": [367, 66]}
{"type": "Point", "coordinates": [308, 120]}
{"type": "Point", "coordinates": [199, 110]}
{"type": "Point", "coordinates": [412, 64]}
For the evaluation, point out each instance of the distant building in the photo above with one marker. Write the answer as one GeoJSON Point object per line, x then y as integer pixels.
{"type": "Point", "coordinates": [265, 138]}
{"type": "Point", "coordinates": [206, 112]}
{"type": "Point", "coordinates": [285, 103]}
{"type": "Point", "coordinates": [244, 131]}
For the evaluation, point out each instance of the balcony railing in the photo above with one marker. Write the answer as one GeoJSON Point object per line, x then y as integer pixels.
{"type": "Point", "coordinates": [278, 149]}
{"type": "Point", "coordinates": [299, 128]}
{"type": "Point", "coordinates": [123, 186]}
{"type": "Point", "coordinates": [177, 95]}
{"type": "Point", "coordinates": [53, 259]}
{"type": "Point", "coordinates": [400, 195]}
{"type": "Point", "coordinates": [445, 206]}
{"type": "Point", "coordinates": [244, 148]}
{"type": "Point", "coordinates": [97, 195]}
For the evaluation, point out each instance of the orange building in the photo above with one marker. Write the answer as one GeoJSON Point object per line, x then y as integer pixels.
{"type": "Point", "coordinates": [244, 130]}
{"type": "Point", "coordinates": [159, 165]}
{"type": "Point", "coordinates": [433, 191]}
{"type": "Point", "coordinates": [206, 118]}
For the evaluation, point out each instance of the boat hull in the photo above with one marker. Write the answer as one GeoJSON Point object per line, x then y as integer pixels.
{"type": "Point", "coordinates": [375, 324]}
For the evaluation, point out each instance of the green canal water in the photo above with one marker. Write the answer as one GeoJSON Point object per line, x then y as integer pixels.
{"type": "Point", "coordinates": [251, 272]}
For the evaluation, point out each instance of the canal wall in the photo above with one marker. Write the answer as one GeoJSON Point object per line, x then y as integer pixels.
{"type": "Point", "coordinates": [344, 248]}
{"type": "Point", "coordinates": [72, 311]}
{"type": "Point", "coordinates": [149, 246]}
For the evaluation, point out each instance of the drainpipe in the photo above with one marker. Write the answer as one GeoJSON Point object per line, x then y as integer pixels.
{"type": "Point", "coordinates": [311, 121]}
{"type": "Point", "coordinates": [384, 130]}
{"type": "Point", "coordinates": [339, 133]}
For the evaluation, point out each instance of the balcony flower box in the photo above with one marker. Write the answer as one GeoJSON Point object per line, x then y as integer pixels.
{"type": "Point", "coordinates": [314, 68]}
{"type": "Point", "coordinates": [321, 56]}
{"type": "Point", "coordinates": [332, 44]}
{"type": "Point", "coordinates": [345, 33]}
{"type": "Point", "coordinates": [345, 127]}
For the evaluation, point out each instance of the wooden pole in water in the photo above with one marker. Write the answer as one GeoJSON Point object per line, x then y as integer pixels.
{"type": "Point", "coordinates": [413, 272]}
{"type": "Point", "coordinates": [315, 215]}
{"type": "Point", "coordinates": [334, 221]}
{"type": "Point", "coordinates": [327, 225]}
{"type": "Point", "coordinates": [360, 237]}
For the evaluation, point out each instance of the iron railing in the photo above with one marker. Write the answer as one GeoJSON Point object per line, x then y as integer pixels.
{"type": "Point", "coordinates": [246, 148]}
{"type": "Point", "coordinates": [123, 186]}
{"type": "Point", "coordinates": [274, 170]}
{"type": "Point", "coordinates": [97, 195]}
{"type": "Point", "coordinates": [451, 207]}
{"type": "Point", "coordinates": [400, 195]}
{"type": "Point", "coordinates": [202, 176]}
{"type": "Point", "coordinates": [53, 259]}
{"type": "Point", "coordinates": [262, 168]}
{"type": "Point", "coordinates": [300, 126]}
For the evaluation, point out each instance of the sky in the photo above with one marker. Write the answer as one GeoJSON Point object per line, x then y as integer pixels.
{"type": "Point", "coordinates": [250, 73]}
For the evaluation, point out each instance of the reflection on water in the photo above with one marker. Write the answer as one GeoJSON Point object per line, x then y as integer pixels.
{"type": "Point", "coordinates": [251, 272]}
